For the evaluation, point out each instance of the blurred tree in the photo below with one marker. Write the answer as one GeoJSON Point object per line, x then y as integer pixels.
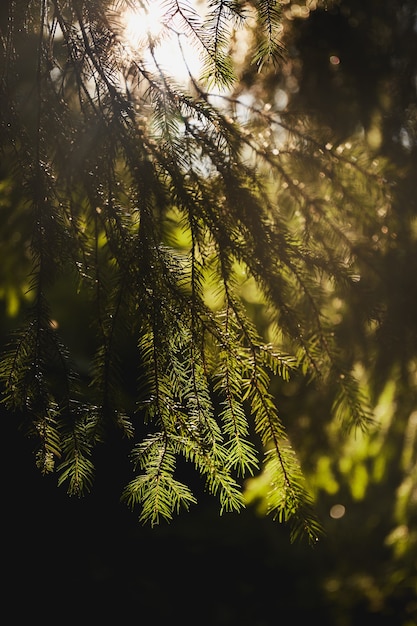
{"type": "Point", "coordinates": [351, 67]}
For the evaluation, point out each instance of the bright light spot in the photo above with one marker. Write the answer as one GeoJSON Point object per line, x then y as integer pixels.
{"type": "Point", "coordinates": [142, 23]}
{"type": "Point", "coordinates": [162, 39]}
{"type": "Point", "coordinates": [405, 139]}
{"type": "Point", "coordinates": [374, 137]}
{"type": "Point", "coordinates": [334, 60]}
{"type": "Point", "coordinates": [243, 106]}
{"type": "Point", "coordinates": [296, 10]}
{"type": "Point", "coordinates": [281, 99]}
{"type": "Point", "coordinates": [337, 511]}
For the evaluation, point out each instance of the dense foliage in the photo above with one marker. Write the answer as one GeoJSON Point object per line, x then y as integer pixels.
{"type": "Point", "coordinates": [214, 276]}
{"type": "Point", "coordinates": [215, 239]}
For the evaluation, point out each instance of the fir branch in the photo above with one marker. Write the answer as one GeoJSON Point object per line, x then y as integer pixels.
{"type": "Point", "coordinates": [80, 432]}
{"type": "Point", "coordinates": [45, 428]}
{"type": "Point", "coordinates": [242, 455]}
{"type": "Point", "coordinates": [351, 406]}
{"type": "Point", "coordinates": [112, 152]}
{"type": "Point", "coordinates": [269, 48]}
{"type": "Point", "coordinates": [290, 502]}
{"type": "Point", "coordinates": [213, 465]}
{"type": "Point", "coordinates": [156, 490]}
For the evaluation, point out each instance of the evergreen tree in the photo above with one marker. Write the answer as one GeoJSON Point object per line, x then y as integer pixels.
{"type": "Point", "coordinates": [161, 202]}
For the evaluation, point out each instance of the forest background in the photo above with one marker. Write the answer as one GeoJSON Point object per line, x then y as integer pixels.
{"type": "Point", "coordinates": [349, 68]}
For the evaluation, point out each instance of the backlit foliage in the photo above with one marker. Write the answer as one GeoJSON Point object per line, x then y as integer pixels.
{"type": "Point", "coordinates": [164, 201]}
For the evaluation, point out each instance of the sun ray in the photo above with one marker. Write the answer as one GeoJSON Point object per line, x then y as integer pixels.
{"type": "Point", "coordinates": [156, 31]}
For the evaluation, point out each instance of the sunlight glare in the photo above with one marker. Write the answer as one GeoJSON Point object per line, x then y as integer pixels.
{"type": "Point", "coordinates": [152, 26]}
{"type": "Point", "coordinates": [143, 22]}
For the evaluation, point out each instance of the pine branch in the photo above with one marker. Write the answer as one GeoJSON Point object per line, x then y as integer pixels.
{"type": "Point", "coordinates": [156, 490]}
{"type": "Point", "coordinates": [80, 432]}
{"type": "Point", "coordinates": [115, 160]}
{"type": "Point", "coordinates": [290, 501]}
{"type": "Point", "coordinates": [269, 18]}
